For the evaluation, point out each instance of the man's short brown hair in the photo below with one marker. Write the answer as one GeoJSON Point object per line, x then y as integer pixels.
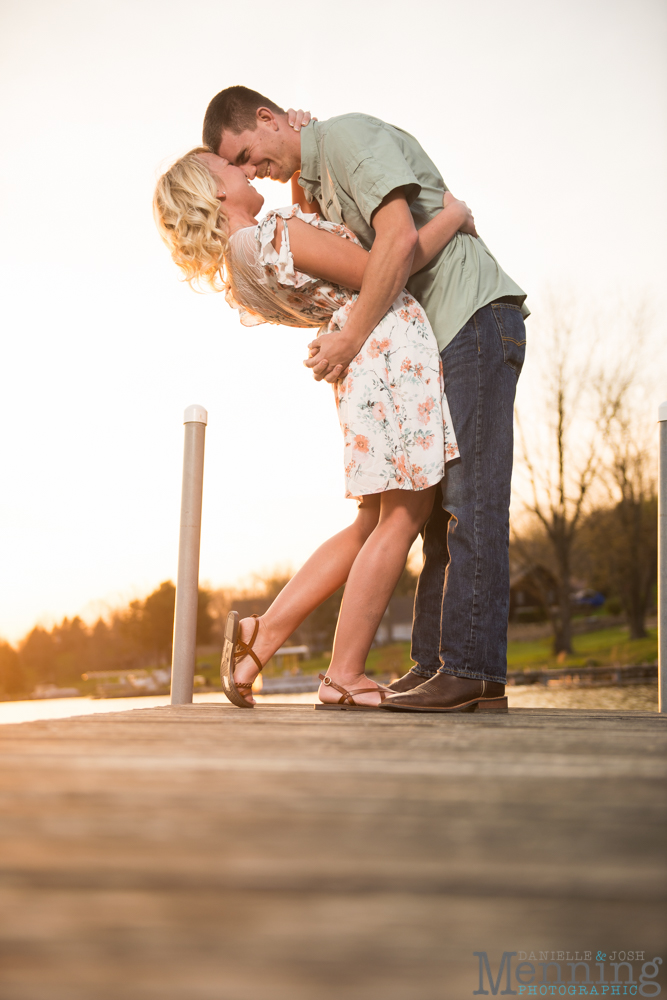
{"type": "Point", "coordinates": [234, 110]}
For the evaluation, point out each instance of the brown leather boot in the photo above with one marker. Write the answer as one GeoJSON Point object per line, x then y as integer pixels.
{"type": "Point", "coordinates": [407, 682]}
{"type": "Point", "coordinates": [448, 693]}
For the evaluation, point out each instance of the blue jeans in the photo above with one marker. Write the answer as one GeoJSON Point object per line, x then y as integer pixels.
{"type": "Point", "coordinates": [462, 602]}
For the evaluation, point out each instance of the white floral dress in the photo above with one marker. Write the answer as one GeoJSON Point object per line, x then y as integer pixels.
{"type": "Point", "coordinates": [392, 407]}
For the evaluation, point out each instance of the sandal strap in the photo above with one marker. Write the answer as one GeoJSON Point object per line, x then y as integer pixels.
{"type": "Point", "coordinates": [348, 696]}
{"type": "Point", "coordinates": [245, 648]}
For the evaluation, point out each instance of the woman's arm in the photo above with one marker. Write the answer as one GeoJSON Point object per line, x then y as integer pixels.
{"type": "Point", "coordinates": [455, 218]}
{"type": "Point", "coordinates": [325, 255]}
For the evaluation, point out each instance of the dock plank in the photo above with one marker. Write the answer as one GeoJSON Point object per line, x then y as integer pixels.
{"type": "Point", "coordinates": [205, 852]}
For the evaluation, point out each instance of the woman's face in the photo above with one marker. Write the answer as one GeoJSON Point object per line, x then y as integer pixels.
{"type": "Point", "coordinates": [234, 189]}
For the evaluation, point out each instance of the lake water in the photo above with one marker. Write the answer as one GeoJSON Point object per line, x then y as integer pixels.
{"type": "Point", "coordinates": [67, 708]}
{"type": "Point", "coordinates": [636, 698]}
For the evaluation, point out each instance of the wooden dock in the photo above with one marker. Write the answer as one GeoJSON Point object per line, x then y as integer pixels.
{"type": "Point", "coordinates": [208, 853]}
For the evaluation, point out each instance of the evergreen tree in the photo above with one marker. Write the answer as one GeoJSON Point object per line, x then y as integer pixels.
{"type": "Point", "coordinates": [12, 676]}
{"type": "Point", "coordinates": [37, 656]}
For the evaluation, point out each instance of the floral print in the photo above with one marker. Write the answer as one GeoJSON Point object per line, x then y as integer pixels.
{"type": "Point", "coordinates": [392, 408]}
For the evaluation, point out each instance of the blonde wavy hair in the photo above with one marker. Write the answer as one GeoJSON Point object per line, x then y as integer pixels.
{"type": "Point", "coordinates": [191, 222]}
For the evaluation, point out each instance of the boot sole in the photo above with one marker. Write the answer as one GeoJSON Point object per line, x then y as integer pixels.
{"type": "Point", "coordinates": [478, 705]}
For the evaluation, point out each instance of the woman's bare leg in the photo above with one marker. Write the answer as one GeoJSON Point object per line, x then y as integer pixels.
{"type": "Point", "coordinates": [320, 577]}
{"type": "Point", "coordinates": [370, 584]}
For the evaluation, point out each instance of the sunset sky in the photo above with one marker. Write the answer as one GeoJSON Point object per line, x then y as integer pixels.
{"type": "Point", "coordinates": [549, 118]}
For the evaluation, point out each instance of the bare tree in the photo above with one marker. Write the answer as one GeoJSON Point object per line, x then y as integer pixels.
{"type": "Point", "coordinates": [630, 547]}
{"type": "Point", "coordinates": [562, 444]}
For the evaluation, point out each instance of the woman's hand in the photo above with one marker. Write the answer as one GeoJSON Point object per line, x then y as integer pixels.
{"type": "Point", "coordinates": [467, 219]}
{"type": "Point", "coordinates": [299, 119]}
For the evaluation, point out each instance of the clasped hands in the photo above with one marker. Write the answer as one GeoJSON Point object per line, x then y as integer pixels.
{"type": "Point", "coordinates": [329, 357]}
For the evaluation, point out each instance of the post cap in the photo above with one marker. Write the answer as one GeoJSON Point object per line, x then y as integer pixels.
{"type": "Point", "coordinates": [662, 411]}
{"type": "Point", "coordinates": [195, 415]}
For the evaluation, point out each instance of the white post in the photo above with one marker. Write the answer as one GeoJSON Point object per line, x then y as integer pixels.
{"type": "Point", "coordinates": [195, 419]}
{"type": "Point", "coordinates": [662, 561]}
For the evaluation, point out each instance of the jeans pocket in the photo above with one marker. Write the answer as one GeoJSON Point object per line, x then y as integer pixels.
{"type": "Point", "coordinates": [512, 330]}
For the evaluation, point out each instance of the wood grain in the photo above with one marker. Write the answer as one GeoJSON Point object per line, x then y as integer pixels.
{"type": "Point", "coordinates": [206, 852]}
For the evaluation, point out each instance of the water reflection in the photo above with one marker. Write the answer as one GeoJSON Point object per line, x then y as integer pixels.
{"type": "Point", "coordinates": [637, 698]}
{"type": "Point", "coordinates": [633, 698]}
{"type": "Point", "coordinates": [66, 708]}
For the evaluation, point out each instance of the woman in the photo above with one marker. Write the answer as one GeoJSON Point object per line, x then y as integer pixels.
{"type": "Point", "coordinates": [298, 270]}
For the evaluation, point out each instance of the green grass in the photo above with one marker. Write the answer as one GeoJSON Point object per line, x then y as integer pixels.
{"type": "Point", "coordinates": [610, 645]}
{"type": "Point", "coordinates": [607, 646]}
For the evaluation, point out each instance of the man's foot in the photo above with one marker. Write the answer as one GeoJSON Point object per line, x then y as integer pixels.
{"type": "Point", "coordinates": [448, 693]}
{"type": "Point", "coordinates": [407, 682]}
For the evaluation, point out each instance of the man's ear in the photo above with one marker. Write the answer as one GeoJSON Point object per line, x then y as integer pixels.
{"type": "Point", "coordinates": [267, 118]}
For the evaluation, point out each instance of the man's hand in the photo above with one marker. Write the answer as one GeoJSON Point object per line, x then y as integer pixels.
{"type": "Point", "coordinates": [329, 357]}
{"type": "Point", "coordinates": [468, 220]}
{"type": "Point", "coordinates": [299, 119]}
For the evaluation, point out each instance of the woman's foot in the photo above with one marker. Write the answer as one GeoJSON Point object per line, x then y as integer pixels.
{"type": "Point", "coordinates": [245, 669]}
{"type": "Point", "coordinates": [332, 695]}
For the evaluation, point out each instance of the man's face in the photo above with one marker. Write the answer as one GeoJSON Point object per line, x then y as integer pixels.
{"type": "Point", "coordinates": [269, 150]}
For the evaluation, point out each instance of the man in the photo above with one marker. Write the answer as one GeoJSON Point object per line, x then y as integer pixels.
{"type": "Point", "coordinates": [378, 180]}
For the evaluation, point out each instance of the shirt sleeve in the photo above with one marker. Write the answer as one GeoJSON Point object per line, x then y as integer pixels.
{"type": "Point", "coordinates": [368, 163]}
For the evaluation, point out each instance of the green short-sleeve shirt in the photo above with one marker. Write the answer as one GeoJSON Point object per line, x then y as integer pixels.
{"type": "Point", "coordinates": [351, 163]}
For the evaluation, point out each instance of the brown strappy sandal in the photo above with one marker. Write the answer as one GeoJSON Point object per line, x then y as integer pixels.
{"type": "Point", "coordinates": [234, 649]}
{"type": "Point", "coordinates": [346, 701]}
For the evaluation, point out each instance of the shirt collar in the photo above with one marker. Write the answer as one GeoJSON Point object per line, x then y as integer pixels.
{"type": "Point", "coordinates": [310, 163]}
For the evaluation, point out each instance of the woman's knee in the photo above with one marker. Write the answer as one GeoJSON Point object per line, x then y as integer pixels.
{"type": "Point", "coordinates": [407, 511]}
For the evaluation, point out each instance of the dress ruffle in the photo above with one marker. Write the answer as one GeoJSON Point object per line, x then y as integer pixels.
{"type": "Point", "coordinates": [283, 262]}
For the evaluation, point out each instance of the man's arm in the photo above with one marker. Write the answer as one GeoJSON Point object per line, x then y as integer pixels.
{"type": "Point", "coordinates": [299, 196]}
{"type": "Point", "coordinates": [386, 273]}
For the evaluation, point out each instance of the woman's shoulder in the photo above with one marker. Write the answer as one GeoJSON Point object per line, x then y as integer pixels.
{"type": "Point", "coordinates": [274, 253]}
